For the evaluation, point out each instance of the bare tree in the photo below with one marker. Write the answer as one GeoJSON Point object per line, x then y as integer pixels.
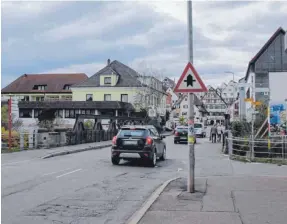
{"type": "Point", "coordinates": [150, 94]}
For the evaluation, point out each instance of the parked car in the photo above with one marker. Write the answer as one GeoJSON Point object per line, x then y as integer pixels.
{"type": "Point", "coordinates": [142, 142]}
{"type": "Point", "coordinates": [200, 130]}
{"type": "Point", "coordinates": [181, 134]}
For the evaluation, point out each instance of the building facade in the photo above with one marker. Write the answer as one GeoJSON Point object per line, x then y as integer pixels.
{"type": "Point", "coordinates": [266, 74]}
{"type": "Point", "coordinates": [215, 105]}
{"type": "Point", "coordinates": [118, 82]}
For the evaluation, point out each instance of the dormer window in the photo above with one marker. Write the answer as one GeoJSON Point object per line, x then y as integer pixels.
{"type": "Point", "coordinates": [40, 87]}
{"type": "Point", "coordinates": [67, 87]}
{"type": "Point", "coordinates": [107, 80]}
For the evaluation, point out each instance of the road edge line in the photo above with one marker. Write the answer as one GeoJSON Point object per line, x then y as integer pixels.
{"type": "Point", "coordinates": [138, 215]}
{"type": "Point", "coordinates": [75, 151]}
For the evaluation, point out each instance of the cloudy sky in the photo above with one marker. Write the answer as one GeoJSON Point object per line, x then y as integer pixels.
{"type": "Point", "coordinates": [40, 37]}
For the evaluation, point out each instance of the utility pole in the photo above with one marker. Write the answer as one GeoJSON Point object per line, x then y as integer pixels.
{"type": "Point", "coordinates": [190, 179]}
{"type": "Point", "coordinates": [10, 121]}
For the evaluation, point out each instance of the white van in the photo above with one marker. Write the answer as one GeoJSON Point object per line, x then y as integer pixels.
{"type": "Point", "coordinates": [200, 130]}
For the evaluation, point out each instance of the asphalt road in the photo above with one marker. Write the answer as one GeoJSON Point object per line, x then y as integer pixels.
{"type": "Point", "coordinates": [86, 188]}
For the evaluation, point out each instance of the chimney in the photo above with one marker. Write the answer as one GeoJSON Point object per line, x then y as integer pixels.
{"type": "Point", "coordinates": [109, 61]}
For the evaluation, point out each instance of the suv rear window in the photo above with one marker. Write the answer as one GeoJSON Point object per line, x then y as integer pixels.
{"type": "Point", "coordinates": [181, 129]}
{"type": "Point", "coordinates": [132, 133]}
{"type": "Point", "coordinates": [197, 125]}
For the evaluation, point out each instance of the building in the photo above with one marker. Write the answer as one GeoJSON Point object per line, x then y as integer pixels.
{"type": "Point", "coordinates": [174, 96]}
{"type": "Point", "coordinates": [118, 82]}
{"type": "Point", "coordinates": [39, 88]}
{"type": "Point", "coordinates": [266, 76]}
{"type": "Point", "coordinates": [215, 105]}
{"type": "Point", "coordinates": [229, 92]}
{"type": "Point", "coordinates": [181, 109]}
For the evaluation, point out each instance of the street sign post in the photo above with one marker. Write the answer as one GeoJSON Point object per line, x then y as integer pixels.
{"type": "Point", "coordinates": [190, 82]}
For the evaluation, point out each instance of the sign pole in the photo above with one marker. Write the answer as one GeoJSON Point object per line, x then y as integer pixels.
{"type": "Point", "coordinates": [190, 179]}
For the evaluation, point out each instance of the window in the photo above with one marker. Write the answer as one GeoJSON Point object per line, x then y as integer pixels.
{"type": "Point", "coordinates": [185, 106]}
{"type": "Point", "coordinates": [124, 97]}
{"type": "Point", "coordinates": [25, 113]}
{"type": "Point", "coordinates": [40, 87]}
{"type": "Point", "coordinates": [184, 113]}
{"type": "Point", "coordinates": [107, 97]}
{"type": "Point", "coordinates": [37, 112]}
{"type": "Point", "coordinates": [59, 114]}
{"type": "Point", "coordinates": [185, 99]}
{"type": "Point", "coordinates": [70, 113]}
{"type": "Point", "coordinates": [39, 98]}
{"type": "Point", "coordinates": [25, 98]}
{"type": "Point", "coordinates": [67, 87]}
{"type": "Point", "coordinates": [89, 97]}
{"type": "Point", "coordinates": [107, 80]}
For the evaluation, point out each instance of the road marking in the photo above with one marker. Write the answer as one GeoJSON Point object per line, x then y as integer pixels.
{"type": "Point", "coordinates": [46, 174]}
{"type": "Point", "coordinates": [68, 173]}
{"type": "Point", "coordinates": [22, 161]}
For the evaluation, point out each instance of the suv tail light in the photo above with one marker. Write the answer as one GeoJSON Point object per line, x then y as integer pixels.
{"type": "Point", "coordinates": [114, 141]}
{"type": "Point", "coordinates": [148, 141]}
{"type": "Point", "coordinates": [176, 133]}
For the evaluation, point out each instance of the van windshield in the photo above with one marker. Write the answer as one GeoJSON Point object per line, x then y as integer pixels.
{"type": "Point", "coordinates": [197, 125]}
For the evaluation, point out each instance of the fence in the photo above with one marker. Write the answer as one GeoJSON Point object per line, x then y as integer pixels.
{"type": "Point", "coordinates": [44, 139]}
{"type": "Point", "coordinates": [268, 150]}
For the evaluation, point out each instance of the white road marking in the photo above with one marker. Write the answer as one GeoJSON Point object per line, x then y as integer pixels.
{"type": "Point", "coordinates": [179, 169]}
{"type": "Point", "coordinates": [68, 173]}
{"type": "Point", "coordinates": [46, 174]}
{"type": "Point", "coordinates": [22, 161]}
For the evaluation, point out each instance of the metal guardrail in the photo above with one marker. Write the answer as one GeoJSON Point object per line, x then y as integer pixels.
{"type": "Point", "coordinates": [274, 148]}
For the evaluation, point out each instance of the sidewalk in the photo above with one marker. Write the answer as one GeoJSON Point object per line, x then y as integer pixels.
{"type": "Point", "coordinates": [222, 200]}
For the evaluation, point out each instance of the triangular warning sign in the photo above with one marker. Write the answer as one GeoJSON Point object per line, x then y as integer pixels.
{"type": "Point", "coordinates": [189, 81]}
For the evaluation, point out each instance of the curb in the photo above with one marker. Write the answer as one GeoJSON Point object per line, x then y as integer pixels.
{"type": "Point", "coordinates": [75, 151]}
{"type": "Point", "coordinates": [137, 216]}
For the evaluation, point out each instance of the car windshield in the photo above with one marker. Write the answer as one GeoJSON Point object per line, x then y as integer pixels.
{"type": "Point", "coordinates": [132, 133]}
{"type": "Point", "coordinates": [197, 125]}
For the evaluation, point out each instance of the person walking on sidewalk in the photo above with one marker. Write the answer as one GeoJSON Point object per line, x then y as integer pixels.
{"type": "Point", "coordinates": [219, 132]}
{"type": "Point", "coordinates": [213, 133]}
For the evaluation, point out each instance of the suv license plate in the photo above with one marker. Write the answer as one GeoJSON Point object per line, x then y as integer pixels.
{"type": "Point", "coordinates": [130, 143]}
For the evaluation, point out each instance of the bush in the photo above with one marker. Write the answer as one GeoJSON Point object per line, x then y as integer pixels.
{"type": "Point", "coordinates": [240, 129]}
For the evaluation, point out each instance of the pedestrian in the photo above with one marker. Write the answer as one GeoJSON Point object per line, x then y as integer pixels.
{"type": "Point", "coordinates": [213, 133]}
{"type": "Point", "coordinates": [219, 132]}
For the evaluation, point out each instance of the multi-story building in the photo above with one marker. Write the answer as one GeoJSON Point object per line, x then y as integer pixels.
{"type": "Point", "coordinates": [30, 90]}
{"type": "Point", "coordinates": [229, 92]}
{"type": "Point", "coordinates": [118, 82]}
{"type": "Point", "coordinates": [181, 109]}
{"type": "Point", "coordinates": [266, 75]}
{"type": "Point", "coordinates": [215, 105]}
{"type": "Point", "coordinates": [40, 87]}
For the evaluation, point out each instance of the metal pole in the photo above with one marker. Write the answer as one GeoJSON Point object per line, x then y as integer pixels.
{"type": "Point", "coordinates": [190, 179]}
{"type": "Point", "coordinates": [10, 121]}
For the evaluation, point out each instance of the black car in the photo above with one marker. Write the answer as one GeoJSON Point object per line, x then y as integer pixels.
{"type": "Point", "coordinates": [181, 134]}
{"type": "Point", "coordinates": [138, 142]}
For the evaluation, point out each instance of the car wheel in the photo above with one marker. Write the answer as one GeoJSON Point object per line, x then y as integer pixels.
{"type": "Point", "coordinates": [163, 156]}
{"type": "Point", "coordinates": [152, 159]}
{"type": "Point", "coordinates": [175, 142]}
{"type": "Point", "coordinates": [115, 160]}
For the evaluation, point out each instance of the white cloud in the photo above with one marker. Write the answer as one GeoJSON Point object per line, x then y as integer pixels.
{"type": "Point", "coordinates": [88, 69]}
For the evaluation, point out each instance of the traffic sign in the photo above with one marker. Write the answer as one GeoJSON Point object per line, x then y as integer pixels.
{"type": "Point", "coordinates": [189, 81]}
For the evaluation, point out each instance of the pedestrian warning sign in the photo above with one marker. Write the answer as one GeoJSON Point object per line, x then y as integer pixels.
{"type": "Point", "coordinates": [189, 81]}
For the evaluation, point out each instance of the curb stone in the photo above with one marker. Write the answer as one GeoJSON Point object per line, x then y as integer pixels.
{"type": "Point", "coordinates": [75, 151]}
{"type": "Point", "coordinates": [81, 150]}
{"type": "Point", "coordinates": [137, 216]}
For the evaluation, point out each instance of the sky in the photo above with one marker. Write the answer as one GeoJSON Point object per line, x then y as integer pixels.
{"type": "Point", "coordinates": [61, 37]}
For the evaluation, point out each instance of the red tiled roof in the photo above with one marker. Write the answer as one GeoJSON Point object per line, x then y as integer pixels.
{"type": "Point", "coordinates": [55, 82]}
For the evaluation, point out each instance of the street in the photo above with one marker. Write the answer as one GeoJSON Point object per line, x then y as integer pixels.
{"type": "Point", "coordinates": [86, 188]}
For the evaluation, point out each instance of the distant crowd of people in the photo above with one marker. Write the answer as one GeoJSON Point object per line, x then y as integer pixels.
{"type": "Point", "coordinates": [216, 133]}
